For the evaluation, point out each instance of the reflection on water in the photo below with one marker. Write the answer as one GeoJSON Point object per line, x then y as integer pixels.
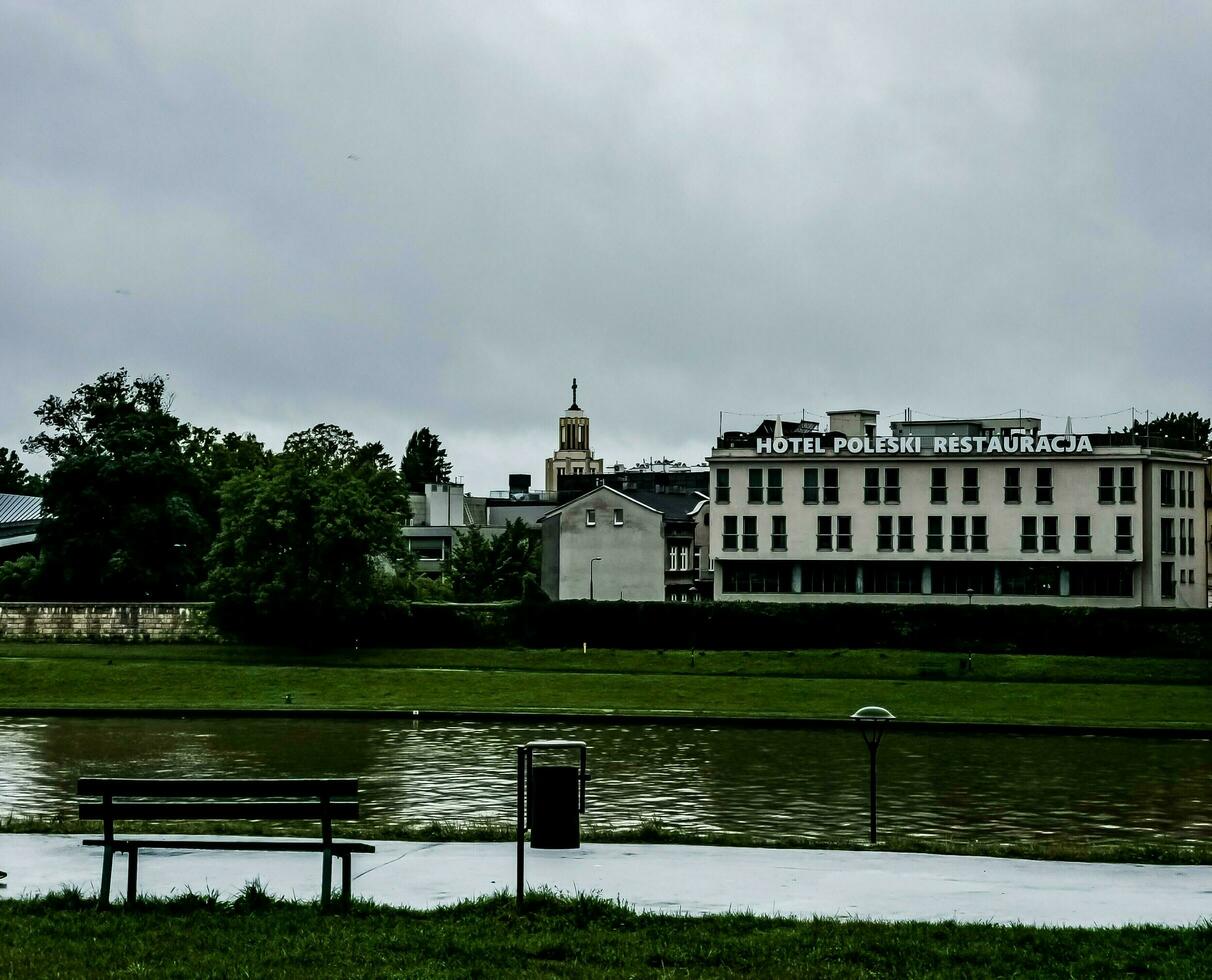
{"type": "Point", "coordinates": [762, 781]}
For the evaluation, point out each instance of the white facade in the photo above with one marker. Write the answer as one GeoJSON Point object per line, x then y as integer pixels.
{"type": "Point", "coordinates": [1112, 524]}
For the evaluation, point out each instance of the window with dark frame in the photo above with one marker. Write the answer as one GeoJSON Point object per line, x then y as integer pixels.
{"type": "Point", "coordinates": [1043, 484]}
{"type": "Point", "coordinates": [812, 490]}
{"type": "Point", "coordinates": [1051, 535]}
{"type": "Point", "coordinates": [904, 533]}
{"type": "Point", "coordinates": [959, 534]}
{"type": "Point", "coordinates": [618, 517]}
{"type": "Point", "coordinates": [892, 485]}
{"type": "Point", "coordinates": [1123, 533]}
{"type": "Point", "coordinates": [778, 533]}
{"type": "Point", "coordinates": [1106, 484]}
{"type": "Point", "coordinates": [844, 537]}
{"type": "Point", "coordinates": [938, 484]}
{"type": "Point", "coordinates": [824, 533]}
{"type": "Point", "coordinates": [871, 485]}
{"type": "Point", "coordinates": [591, 517]}
{"type": "Point", "coordinates": [774, 486]}
{"type": "Point", "coordinates": [1081, 534]}
{"type": "Point", "coordinates": [1014, 487]}
{"type": "Point", "coordinates": [1029, 538]}
{"type": "Point", "coordinates": [749, 533]}
{"type": "Point", "coordinates": [1167, 488]}
{"type": "Point", "coordinates": [729, 543]}
{"type": "Point", "coordinates": [1168, 539]}
{"type": "Point", "coordinates": [1127, 485]}
{"type": "Point", "coordinates": [1167, 580]}
{"type": "Point", "coordinates": [980, 534]}
{"type": "Point", "coordinates": [722, 491]}
{"type": "Point", "coordinates": [934, 532]}
{"type": "Point", "coordinates": [830, 490]}
{"type": "Point", "coordinates": [883, 533]}
{"type": "Point", "coordinates": [972, 491]}
{"type": "Point", "coordinates": [756, 495]}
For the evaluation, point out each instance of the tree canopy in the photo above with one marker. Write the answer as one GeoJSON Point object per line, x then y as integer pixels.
{"type": "Point", "coordinates": [424, 461]}
{"type": "Point", "coordinates": [488, 569]}
{"type": "Point", "coordinates": [14, 477]}
{"type": "Point", "coordinates": [1190, 426]}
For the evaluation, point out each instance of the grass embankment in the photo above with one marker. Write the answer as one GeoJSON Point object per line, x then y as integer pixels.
{"type": "Point", "coordinates": [917, 685]}
{"type": "Point", "coordinates": [586, 936]}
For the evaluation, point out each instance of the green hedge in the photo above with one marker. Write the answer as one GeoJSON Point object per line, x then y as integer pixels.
{"type": "Point", "coordinates": [763, 626]}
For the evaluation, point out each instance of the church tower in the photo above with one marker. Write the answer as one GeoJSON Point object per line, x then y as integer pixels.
{"type": "Point", "coordinates": [573, 454]}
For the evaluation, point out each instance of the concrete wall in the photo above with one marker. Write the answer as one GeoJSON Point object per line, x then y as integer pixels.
{"type": "Point", "coordinates": [147, 623]}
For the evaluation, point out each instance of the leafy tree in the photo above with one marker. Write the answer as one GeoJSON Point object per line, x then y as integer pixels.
{"type": "Point", "coordinates": [120, 504]}
{"type": "Point", "coordinates": [1190, 426]}
{"type": "Point", "coordinates": [15, 478]}
{"type": "Point", "coordinates": [484, 569]}
{"type": "Point", "coordinates": [18, 578]}
{"type": "Point", "coordinates": [216, 459]}
{"type": "Point", "coordinates": [307, 540]}
{"type": "Point", "coordinates": [424, 461]}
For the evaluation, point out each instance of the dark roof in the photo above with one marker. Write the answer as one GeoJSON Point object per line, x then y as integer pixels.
{"type": "Point", "coordinates": [675, 506]}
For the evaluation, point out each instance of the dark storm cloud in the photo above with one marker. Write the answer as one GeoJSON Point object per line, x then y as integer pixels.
{"type": "Point", "coordinates": [395, 215]}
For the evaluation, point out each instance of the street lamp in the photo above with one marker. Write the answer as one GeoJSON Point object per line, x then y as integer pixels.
{"type": "Point", "coordinates": [591, 561]}
{"type": "Point", "coordinates": [872, 721]}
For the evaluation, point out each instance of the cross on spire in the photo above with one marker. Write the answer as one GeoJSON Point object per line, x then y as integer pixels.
{"type": "Point", "coordinates": [574, 397]}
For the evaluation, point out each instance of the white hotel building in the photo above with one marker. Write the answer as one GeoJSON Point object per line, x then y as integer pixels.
{"type": "Point", "coordinates": [970, 510]}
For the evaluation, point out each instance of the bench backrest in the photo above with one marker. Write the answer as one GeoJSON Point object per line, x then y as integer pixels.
{"type": "Point", "coordinates": [219, 799]}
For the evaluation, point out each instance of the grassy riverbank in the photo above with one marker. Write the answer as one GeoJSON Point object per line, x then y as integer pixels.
{"type": "Point", "coordinates": [585, 936]}
{"type": "Point", "coordinates": [917, 685]}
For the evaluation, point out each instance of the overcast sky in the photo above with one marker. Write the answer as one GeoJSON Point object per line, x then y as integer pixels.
{"type": "Point", "coordinates": [393, 215]}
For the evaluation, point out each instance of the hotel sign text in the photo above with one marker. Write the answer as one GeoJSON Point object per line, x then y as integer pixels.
{"type": "Point", "coordinates": [912, 445]}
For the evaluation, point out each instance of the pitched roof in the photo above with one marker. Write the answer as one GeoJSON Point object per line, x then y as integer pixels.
{"type": "Point", "coordinates": [672, 506]}
{"type": "Point", "coordinates": [17, 508]}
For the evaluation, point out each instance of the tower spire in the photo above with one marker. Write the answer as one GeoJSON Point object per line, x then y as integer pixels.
{"type": "Point", "coordinates": [574, 397]}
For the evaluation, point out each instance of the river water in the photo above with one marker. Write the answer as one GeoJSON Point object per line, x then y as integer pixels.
{"type": "Point", "coordinates": [765, 781]}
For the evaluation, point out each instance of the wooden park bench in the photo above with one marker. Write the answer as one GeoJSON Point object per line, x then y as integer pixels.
{"type": "Point", "coordinates": [167, 800]}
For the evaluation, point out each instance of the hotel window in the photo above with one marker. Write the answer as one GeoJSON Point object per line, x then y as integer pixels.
{"type": "Point", "coordinates": [1167, 582]}
{"type": "Point", "coordinates": [1051, 533]}
{"type": "Point", "coordinates": [774, 486]}
{"type": "Point", "coordinates": [980, 534]}
{"type": "Point", "coordinates": [591, 517]}
{"type": "Point", "coordinates": [755, 486]}
{"type": "Point", "coordinates": [1043, 484]}
{"type": "Point", "coordinates": [972, 490]}
{"type": "Point", "coordinates": [778, 534]}
{"type": "Point", "coordinates": [1167, 488]}
{"type": "Point", "coordinates": [722, 491]}
{"type": "Point", "coordinates": [1191, 490]}
{"type": "Point", "coordinates": [844, 537]}
{"type": "Point", "coordinates": [1081, 534]}
{"type": "Point", "coordinates": [904, 534]}
{"type": "Point", "coordinates": [824, 534]}
{"type": "Point", "coordinates": [749, 533]}
{"type": "Point", "coordinates": [934, 533]}
{"type": "Point", "coordinates": [1127, 485]}
{"type": "Point", "coordinates": [1014, 487]}
{"type": "Point", "coordinates": [1123, 533]}
{"type": "Point", "coordinates": [1028, 541]}
{"type": "Point", "coordinates": [618, 517]}
{"type": "Point", "coordinates": [1182, 537]}
{"type": "Point", "coordinates": [1106, 484]}
{"type": "Point", "coordinates": [892, 485]}
{"type": "Point", "coordinates": [830, 488]}
{"type": "Point", "coordinates": [883, 535]}
{"type": "Point", "coordinates": [871, 485]}
{"type": "Point", "coordinates": [938, 484]}
{"type": "Point", "coordinates": [1167, 536]}
{"type": "Point", "coordinates": [959, 534]}
{"type": "Point", "coordinates": [812, 489]}
{"type": "Point", "coordinates": [1191, 536]}
{"type": "Point", "coordinates": [729, 532]}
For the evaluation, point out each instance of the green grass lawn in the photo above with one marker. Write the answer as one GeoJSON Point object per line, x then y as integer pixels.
{"type": "Point", "coordinates": [917, 685]}
{"type": "Point", "coordinates": [196, 936]}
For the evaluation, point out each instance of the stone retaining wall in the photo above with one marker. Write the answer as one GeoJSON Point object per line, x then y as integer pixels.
{"type": "Point", "coordinates": [153, 622]}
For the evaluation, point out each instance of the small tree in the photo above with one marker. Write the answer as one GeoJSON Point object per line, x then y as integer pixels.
{"type": "Point", "coordinates": [1177, 425]}
{"type": "Point", "coordinates": [484, 569]}
{"type": "Point", "coordinates": [424, 461]}
{"type": "Point", "coordinates": [15, 478]}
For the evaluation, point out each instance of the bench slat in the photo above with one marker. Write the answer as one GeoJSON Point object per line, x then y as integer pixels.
{"type": "Point", "coordinates": [216, 788]}
{"type": "Point", "coordinates": [263, 844]}
{"type": "Point", "coordinates": [207, 810]}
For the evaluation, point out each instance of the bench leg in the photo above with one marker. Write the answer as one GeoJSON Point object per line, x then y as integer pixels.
{"type": "Point", "coordinates": [132, 875]}
{"type": "Point", "coordinates": [326, 879]}
{"type": "Point", "coordinates": [107, 869]}
{"type": "Point", "coordinates": [346, 879]}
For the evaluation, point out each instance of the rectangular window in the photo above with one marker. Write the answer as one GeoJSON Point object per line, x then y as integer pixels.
{"type": "Point", "coordinates": [1051, 533]}
{"type": "Point", "coordinates": [1106, 484]}
{"type": "Point", "coordinates": [824, 534]}
{"type": "Point", "coordinates": [591, 517]}
{"type": "Point", "coordinates": [1182, 533]}
{"type": "Point", "coordinates": [673, 558]}
{"type": "Point", "coordinates": [938, 484]}
{"type": "Point", "coordinates": [774, 486]}
{"type": "Point", "coordinates": [844, 537]}
{"type": "Point", "coordinates": [1167, 488]}
{"type": "Point", "coordinates": [972, 490]}
{"type": "Point", "coordinates": [698, 558]}
{"type": "Point", "coordinates": [883, 535]}
{"type": "Point", "coordinates": [1167, 536]}
{"type": "Point", "coordinates": [1123, 533]}
{"type": "Point", "coordinates": [1081, 534]}
{"type": "Point", "coordinates": [618, 517]}
{"type": "Point", "coordinates": [723, 493]}
{"type": "Point", "coordinates": [1014, 487]}
{"type": "Point", "coordinates": [1127, 485]}
{"type": "Point", "coordinates": [778, 534]}
{"type": "Point", "coordinates": [871, 485]}
{"type": "Point", "coordinates": [1043, 484]}
{"type": "Point", "coordinates": [729, 532]}
{"type": "Point", "coordinates": [755, 486]}
{"type": "Point", "coordinates": [1191, 492]}
{"type": "Point", "coordinates": [684, 558]}
{"type": "Point", "coordinates": [980, 534]}
{"type": "Point", "coordinates": [934, 532]}
{"type": "Point", "coordinates": [892, 485]}
{"type": "Point", "coordinates": [904, 534]}
{"type": "Point", "coordinates": [1191, 536]}
{"type": "Point", "coordinates": [1028, 540]}
{"type": "Point", "coordinates": [831, 485]}
{"type": "Point", "coordinates": [749, 533]}
{"type": "Point", "coordinates": [812, 490]}
{"type": "Point", "coordinates": [1167, 582]}
{"type": "Point", "coordinates": [959, 534]}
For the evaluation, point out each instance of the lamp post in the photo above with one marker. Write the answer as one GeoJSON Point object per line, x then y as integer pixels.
{"type": "Point", "coordinates": [872, 721]}
{"type": "Point", "coordinates": [591, 561]}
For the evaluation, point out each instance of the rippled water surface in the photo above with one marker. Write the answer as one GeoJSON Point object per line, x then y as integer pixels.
{"type": "Point", "coordinates": [762, 781]}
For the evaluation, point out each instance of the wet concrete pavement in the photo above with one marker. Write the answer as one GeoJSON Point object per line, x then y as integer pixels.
{"type": "Point", "coordinates": [683, 879]}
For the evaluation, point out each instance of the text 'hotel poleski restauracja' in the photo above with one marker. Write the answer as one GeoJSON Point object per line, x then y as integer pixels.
{"type": "Point", "coordinates": [987, 510]}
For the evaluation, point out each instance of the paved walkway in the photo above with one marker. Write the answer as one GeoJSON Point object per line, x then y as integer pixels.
{"type": "Point", "coordinates": [665, 878]}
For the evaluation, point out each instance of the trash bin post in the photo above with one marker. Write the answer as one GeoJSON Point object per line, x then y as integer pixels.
{"type": "Point", "coordinates": [560, 792]}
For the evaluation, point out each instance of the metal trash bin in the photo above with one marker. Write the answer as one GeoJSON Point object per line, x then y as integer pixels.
{"type": "Point", "coordinates": [555, 797]}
